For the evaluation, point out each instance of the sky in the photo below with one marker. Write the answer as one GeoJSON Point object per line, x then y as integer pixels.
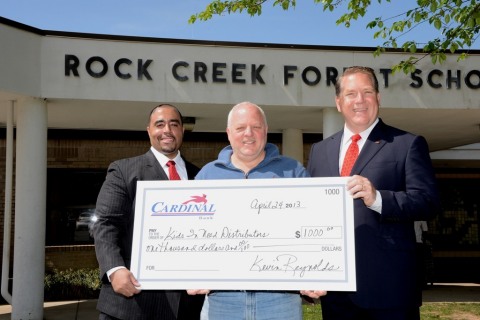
{"type": "Point", "coordinates": [307, 24]}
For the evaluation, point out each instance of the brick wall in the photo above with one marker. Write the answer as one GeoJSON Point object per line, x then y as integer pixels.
{"type": "Point", "coordinates": [69, 149]}
{"type": "Point", "coordinates": [70, 257]}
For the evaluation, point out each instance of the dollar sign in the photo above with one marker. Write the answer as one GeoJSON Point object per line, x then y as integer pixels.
{"type": "Point", "coordinates": [297, 234]}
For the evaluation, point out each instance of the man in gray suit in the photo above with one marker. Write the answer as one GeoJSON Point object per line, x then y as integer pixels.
{"type": "Point", "coordinates": [121, 296]}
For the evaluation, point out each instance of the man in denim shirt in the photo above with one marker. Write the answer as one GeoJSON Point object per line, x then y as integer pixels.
{"type": "Point", "coordinates": [249, 156]}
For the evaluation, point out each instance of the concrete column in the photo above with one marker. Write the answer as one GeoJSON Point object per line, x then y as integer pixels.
{"type": "Point", "coordinates": [292, 144]}
{"type": "Point", "coordinates": [30, 209]}
{"type": "Point", "coordinates": [332, 121]}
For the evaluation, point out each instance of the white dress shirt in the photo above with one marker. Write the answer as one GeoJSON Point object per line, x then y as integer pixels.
{"type": "Point", "coordinates": [346, 140]}
{"type": "Point", "coordinates": [179, 163]}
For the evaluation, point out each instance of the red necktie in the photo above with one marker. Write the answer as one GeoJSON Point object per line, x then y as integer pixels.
{"type": "Point", "coordinates": [172, 172]}
{"type": "Point", "coordinates": [350, 156]}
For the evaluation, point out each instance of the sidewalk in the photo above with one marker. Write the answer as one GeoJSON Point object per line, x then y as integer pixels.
{"type": "Point", "coordinates": [452, 292]}
{"type": "Point", "coordinates": [85, 309]}
{"type": "Point", "coordinates": [64, 310]}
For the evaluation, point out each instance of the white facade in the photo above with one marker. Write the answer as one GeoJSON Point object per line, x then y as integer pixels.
{"type": "Point", "coordinates": [444, 107]}
{"type": "Point", "coordinates": [79, 81]}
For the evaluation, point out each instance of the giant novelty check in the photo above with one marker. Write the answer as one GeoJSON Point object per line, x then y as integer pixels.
{"type": "Point", "coordinates": [249, 234]}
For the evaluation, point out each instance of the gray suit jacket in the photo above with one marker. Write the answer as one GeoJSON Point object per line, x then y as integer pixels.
{"type": "Point", "coordinates": [113, 233]}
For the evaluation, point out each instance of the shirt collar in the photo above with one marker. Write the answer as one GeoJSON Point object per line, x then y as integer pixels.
{"type": "Point", "coordinates": [163, 159]}
{"type": "Point", "coordinates": [347, 134]}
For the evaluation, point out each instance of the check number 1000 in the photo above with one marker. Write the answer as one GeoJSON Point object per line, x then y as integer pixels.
{"type": "Point", "coordinates": [332, 191]}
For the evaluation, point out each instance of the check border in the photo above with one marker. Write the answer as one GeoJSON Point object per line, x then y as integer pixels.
{"type": "Point", "coordinates": [177, 276]}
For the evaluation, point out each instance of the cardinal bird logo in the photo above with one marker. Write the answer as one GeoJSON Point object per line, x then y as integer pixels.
{"type": "Point", "coordinates": [197, 199]}
{"type": "Point", "coordinates": [195, 206]}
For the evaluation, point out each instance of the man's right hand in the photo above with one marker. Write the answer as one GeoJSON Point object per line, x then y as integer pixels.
{"type": "Point", "coordinates": [193, 292]}
{"type": "Point", "coordinates": [123, 282]}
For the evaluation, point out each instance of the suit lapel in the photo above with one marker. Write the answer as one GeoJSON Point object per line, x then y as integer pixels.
{"type": "Point", "coordinates": [152, 168]}
{"type": "Point", "coordinates": [375, 142]}
{"type": "Point", "coordinates": [192, 170]}
{"type": "Point", "coordinates": [333, 152]}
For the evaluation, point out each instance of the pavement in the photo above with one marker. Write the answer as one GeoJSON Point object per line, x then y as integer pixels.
{"type": "Point", "coordinates": [62, 310]}
{"type": "Point", "coordinates": [85, 309]}
{"type": "Point", "coordinates": [452, 292]}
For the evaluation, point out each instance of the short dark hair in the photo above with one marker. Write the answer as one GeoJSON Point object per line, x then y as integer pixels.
{"type": "Point", "coordinates": [356, 69]}
{"type": "Point", "coordinates": [165, 105]}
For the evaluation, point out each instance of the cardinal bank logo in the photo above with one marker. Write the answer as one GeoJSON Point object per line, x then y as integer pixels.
{"type": "Point", "coordinates": [197, 205]}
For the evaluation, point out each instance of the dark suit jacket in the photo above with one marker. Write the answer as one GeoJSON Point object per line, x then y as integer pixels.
{"type": "Point", "coordinates": [113, 233]}
{"type": "Point", "coordinates": [398, 165]}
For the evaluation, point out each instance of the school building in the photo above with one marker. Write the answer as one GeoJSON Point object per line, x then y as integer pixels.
{"type": "Point", "coordinates": [71, 103]}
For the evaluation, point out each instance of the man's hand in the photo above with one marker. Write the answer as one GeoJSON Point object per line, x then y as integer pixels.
{"type": "Point", "coordinates": [361, 187]}
{"type": "Point", "coordinates": [314, 294]}
{"type": "Point", "coordinates": [123, 282]}
{"type": "Point", "coordinates": [193, 292]}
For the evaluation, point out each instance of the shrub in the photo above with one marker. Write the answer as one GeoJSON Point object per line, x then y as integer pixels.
{"type": "Point", "coordinates": [72, 284]}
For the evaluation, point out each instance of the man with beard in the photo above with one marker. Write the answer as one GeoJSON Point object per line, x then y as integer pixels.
{"type": "Point", "coordinates": [121, 296]}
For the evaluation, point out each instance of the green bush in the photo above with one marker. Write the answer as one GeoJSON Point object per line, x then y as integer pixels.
{"type": "Point", "coordinates": [72, 284]}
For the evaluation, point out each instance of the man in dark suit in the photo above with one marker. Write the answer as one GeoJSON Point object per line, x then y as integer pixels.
{"type": "Point", "coordinates": [121, 296]}
{"type": "Point", "coordinates": [392, 183]}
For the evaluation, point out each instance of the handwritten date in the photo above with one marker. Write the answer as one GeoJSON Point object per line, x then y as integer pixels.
{"type": "Point", "coordinates": [260, 205]}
